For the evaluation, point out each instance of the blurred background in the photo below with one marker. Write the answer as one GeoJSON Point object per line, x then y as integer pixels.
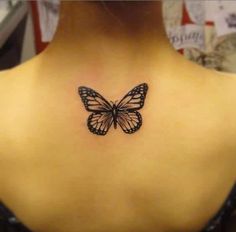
{"type": "Point", "coordinates": [203, 31]}
{"type": "Point", "coordinates": [26, 27]}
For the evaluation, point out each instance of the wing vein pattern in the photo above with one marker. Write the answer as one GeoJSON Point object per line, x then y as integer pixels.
{"type": "Point", "coordinates": [104, 114]}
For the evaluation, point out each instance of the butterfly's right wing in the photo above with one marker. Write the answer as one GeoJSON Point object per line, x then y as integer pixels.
{"type": "Point", "coordinates": [129, 122]}
{"type": "Point", "coordinates": [93, 101]}
{"type": "Point", "coordinates": [134, 99]}
{"type": "Point", "coordinates": [99, 123]}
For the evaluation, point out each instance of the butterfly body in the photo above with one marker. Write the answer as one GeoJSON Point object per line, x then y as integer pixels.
{"type": "Point", "coordinates": [104, 114]}
{"type": "Point", "coordinates": [114, 114]}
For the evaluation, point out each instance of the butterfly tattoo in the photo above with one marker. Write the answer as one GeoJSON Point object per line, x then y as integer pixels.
{"type": "Point", "coordinates": [104, 114]}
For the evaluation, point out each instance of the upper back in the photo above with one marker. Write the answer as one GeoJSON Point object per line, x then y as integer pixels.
{"type": "Point", "coordinates": [61, 177]}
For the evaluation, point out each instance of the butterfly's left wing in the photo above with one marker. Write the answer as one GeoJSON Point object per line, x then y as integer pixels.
{"type": "Point", "coordinates": [128, 118]}
{"type": "Point", "coordinates": [134, 99]}
{"type": "Point", "coordinates": [129, 122]}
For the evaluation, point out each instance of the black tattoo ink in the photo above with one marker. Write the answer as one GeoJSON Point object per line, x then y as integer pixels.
{"type": "Point", "coordinates": [104, 114]}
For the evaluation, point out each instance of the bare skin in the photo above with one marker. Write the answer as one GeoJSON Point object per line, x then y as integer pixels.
{"type": "Point", "coordinates": [170, 176]}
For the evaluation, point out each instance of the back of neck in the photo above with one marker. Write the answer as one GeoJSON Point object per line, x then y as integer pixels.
{"type": "Point", "coordinates": [98, 28]}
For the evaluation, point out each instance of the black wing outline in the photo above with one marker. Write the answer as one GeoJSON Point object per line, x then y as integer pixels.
{"type": "Point", "coordinates": [100, 123]}
{"type": "Point", "coordinates": [126, 114]}
{"type": "Point", "coordinates": [129, 122]}
{"type": "Point", "coordinates": [134, 99]}
{"type": "Point", "coordinates": [128, 118]}
{"type": "Point", "coordinates": [93, 101]}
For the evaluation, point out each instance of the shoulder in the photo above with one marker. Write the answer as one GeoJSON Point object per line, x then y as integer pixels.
{"type": "Point", "coordinates": [14, 87]}
{"type": "Point", "coordinates": [212, 98]}
{"type": "Point", "coordinates": [5, 104]}
{"type": "Point", "coordinates": [226, 86]}
{"type": "Point", "coordinates": [10, 111]}
{"type": "Point", "coordinates": [4, 114]}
